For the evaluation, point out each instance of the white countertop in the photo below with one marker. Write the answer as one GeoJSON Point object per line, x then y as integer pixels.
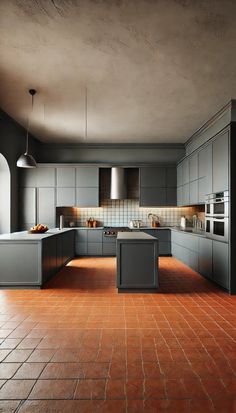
{"type": "Point", "coordinates": [25, 236]}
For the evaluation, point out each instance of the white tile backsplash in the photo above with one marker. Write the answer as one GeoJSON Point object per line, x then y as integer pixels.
{"type": "Point", "coordinates": [120, 212]}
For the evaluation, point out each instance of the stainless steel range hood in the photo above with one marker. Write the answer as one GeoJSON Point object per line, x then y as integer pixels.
{"type": "Point", "coordinates": [118, 183]}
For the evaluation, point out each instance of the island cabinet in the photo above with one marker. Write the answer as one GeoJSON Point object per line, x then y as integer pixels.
{"type": "Point", "coordinates": [30, 260]}
{"type": "Point", "coordinates": [157, 186]}
{"type": "Point", "coordinates": [137, 262]}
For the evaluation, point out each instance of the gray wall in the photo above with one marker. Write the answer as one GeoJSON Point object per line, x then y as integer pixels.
{"type": "Point", "coordinates": [12, 145]}
{"type": "Point", "coordinates": [112, 154]}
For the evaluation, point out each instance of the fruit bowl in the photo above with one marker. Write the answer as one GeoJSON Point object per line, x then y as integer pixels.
{"type": "Point", "coordinates": [38, 229]}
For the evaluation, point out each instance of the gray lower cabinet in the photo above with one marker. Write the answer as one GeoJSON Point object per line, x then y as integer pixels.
{"type": "Point", "coordinates": [221, 263]}
{"type": "Point", "coordinates": [137, 262]}
{"type": "Point", "coordinates": [185, 248]}
{"type": "Point", "coordinates": [95, 248]}
{"type": "Point", "coordinates": [49, 258]}
{"type": "Point", "coordinates": [205, 257]}
{"type": "Point", "coordinates": [95, 242]}
{"type": "Point", "coordinates": [164, 238]}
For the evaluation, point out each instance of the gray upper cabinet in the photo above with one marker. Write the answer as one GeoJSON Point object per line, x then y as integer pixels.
{"type": "Point", "coordinates": [65, 197]}
{"type": "Point", "coordinates": [157, 186]}
{"type": "Point", "coordinates": [193, 192]}
{"type": "Point", "coordinates": [180, 174]}
{"type": "Point", "coordinates": [204, 172]}
{"type": "Point", "coordinates": [28, 206]}
{"type": "Point", "coordinates": [221, 162]}
{"type": "Point", "coordinates": [87, 176]}
{"type": "Point", "coordinates": [193, 167]}
{"type": "Point", "coordinates": [87, 197]}
{"type": "Point", "coordinates": [28, 177]}
{"type": "Point", "coordinates": [153, 177]}
{"type": "Point", "coordinates": [46, 206]}
{"type": "Point", "coordinates": [151, 197]}
{"type": "Point", "coordinates": [171, 177]}
{"type": "Point", "coordinates": [180, 195]}
{"type": "Point", "coordinates": [185, 198]}
{"type": "Point", "coordinates": [65, 177]}
{"type": "Point", "coordinates": [87, 186]}
{"type": "Point", "coordinates": [45, 177]}
{"type": "Point", "coordinates": [185, 171]}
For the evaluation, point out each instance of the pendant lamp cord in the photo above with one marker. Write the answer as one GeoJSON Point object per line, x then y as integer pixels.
{"type": "Point", "coordinates": [28, 126]}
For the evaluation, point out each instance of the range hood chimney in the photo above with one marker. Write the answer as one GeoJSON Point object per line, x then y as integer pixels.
{"type": "Point", "coordinates": [118, 183]}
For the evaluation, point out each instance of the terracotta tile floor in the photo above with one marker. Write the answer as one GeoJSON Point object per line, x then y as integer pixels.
{"type": "Point", "coordinates": [79, 346]}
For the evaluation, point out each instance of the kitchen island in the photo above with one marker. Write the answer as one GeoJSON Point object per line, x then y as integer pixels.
{"type": "Point", "coordinates": [30, 260]}
{"type": "Point", "coordinates": [137, 262]}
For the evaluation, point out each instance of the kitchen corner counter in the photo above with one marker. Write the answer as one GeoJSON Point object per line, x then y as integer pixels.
{"type": "Point", "coordinates": [24, 236]}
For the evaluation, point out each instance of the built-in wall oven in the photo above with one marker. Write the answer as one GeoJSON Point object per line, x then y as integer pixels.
{"type": "Point", "coordinates": [217, 216]}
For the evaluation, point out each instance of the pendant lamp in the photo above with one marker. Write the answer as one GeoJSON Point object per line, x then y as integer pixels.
{"type": "Point", "coordinates": [26, 160]}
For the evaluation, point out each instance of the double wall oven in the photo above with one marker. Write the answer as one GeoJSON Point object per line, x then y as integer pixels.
{"type": "Point", "coordinates": [217, 216]}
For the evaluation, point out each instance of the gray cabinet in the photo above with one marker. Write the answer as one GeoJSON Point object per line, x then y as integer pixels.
{"type": "Point", "coordinates": [157, 186]}
{"type": "Point", "coordinates": [220, 149]}
{"type": "Point", "coordinates": [164, 238]}
{"type": "Point", "coordinates": [89, 242]}
{"type": "Point", "coordinates": [65, 197]}
{"type": "Point", "coordinates": [221, 263]}
{"type": "Point", "coordinates": [193, 167]}
{"type": "Point", "coordinates": [81, 241]}
{"type": "Point", "coordinates": [180, 195]}
{"type": "Point", "coordinates": [28, 206]}
{"type": "Point", "coordinates": [179, 174]}
{"type": "Point", "coordinates": [65, 177]}
{"type": "Point", "coordinates": [185, 248]}
{"type": "Point", "coordinates": [87, 176]}
{"type": "Point", "coordinates": [193, 192]}
{"type": "Point", "coordinates": [46, 206]}
{"type": "Point", "coordinates": [45, 177]}
{"type": "Point", "coordinates": [49, 258]}
{"type": "Point", "coordinates": [205, 257]}
{"type": "Point", "coordinates": [186, 194]}
{"type": "Point", "coordinates": [204, 172]}
{"type": "Point", "coordinates": [87, 186]}
{"type": "Point", "coordinates": [185, 164]}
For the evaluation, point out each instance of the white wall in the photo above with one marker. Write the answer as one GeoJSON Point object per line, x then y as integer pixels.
{"type": "Point", "coordinates": [5, 196]}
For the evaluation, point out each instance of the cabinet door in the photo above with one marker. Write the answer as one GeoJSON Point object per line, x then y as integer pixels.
{"type": "Point", "coordinates": [205, 256]}
{"type": "Point", "coordinates": [186, 194]}
{"type": "Point", "coordinates": [171, 177]}
{"type": "Point", "coordinates": [152, 197]}
{"type": "Point", "coordinates": [81, 235]}
{"type": "Point", "coordinates": [109, 249]}
{"type": "Point", "coordinates": [87, 176]}
{"type": "Point", "coordinates": [205, 172]}
{"type": "Point", "coordinates": [27, 177]}
{"type": "Point", "coordinates": [65, 197]}
{"type": "Point", "coordinates": [28, 206]}
{"type": "Point", "coordinates": [46, 206]}
{"type": "Point", "coordinates": [221, 163]}
{"type": "Point", "coordinates": [193, 167]}
{"type": "Point", "coordinates": [153, 177]}
{"type": "Point", "coordinates": [193, 192]}
{"type": "Point", "coordinates": [221, 263]}
{"type": "Point", "coordinates": [164, 248]}
{"type": "Point", "coordinates": [185, 171]}
{"type": "Point", "coordinates": [180, 174]}
{"type": "Point", "coordinates": [45, 177]}
{"type": "Point", "coordinates": [95, 248]}
{"type": "Point", "coordinates": [81, 248]}
{"type": "Point", "coordinates": [180, 195]}
{"type": "Point", "coordinates": [87, 197]}
{"type": "Point", "coordinates": [171, 196]}
{"type": "Point", "coordinates": [95, 235]}
{"type": "Point", "coordinates": [65, 177]}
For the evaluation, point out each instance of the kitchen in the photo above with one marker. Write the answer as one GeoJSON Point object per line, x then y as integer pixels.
{"type": "Point", "coordinates": [117, 233]}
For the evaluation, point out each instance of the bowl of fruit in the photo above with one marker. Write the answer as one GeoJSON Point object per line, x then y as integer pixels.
{"type": "Point", "coordinates": [38, 229]}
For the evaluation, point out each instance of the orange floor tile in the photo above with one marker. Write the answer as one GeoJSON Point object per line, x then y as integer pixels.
{"type": "Point", "coordinates": [79, 346]}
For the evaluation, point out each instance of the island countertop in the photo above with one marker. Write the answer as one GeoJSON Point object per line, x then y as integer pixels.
{"type": "Point", "coordinates": [131, 236]}
{"type": "Point", "coordinates": [24, 236]}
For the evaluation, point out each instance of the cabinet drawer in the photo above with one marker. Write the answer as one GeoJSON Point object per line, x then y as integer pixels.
{"type": "Point", "coordinates": [95, 235]}
{"type": "Point", "coordinates": [109, 249]}
{"type": "Point", "coordinates": [81, 235]}
{"type": "Point", "coordinates": [94, 248]}
{"type": "Point", "coordinates": [81, 248]}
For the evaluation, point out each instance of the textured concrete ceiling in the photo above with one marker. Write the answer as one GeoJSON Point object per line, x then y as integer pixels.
{"type": "Point", "coordinates": [155, 70]}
